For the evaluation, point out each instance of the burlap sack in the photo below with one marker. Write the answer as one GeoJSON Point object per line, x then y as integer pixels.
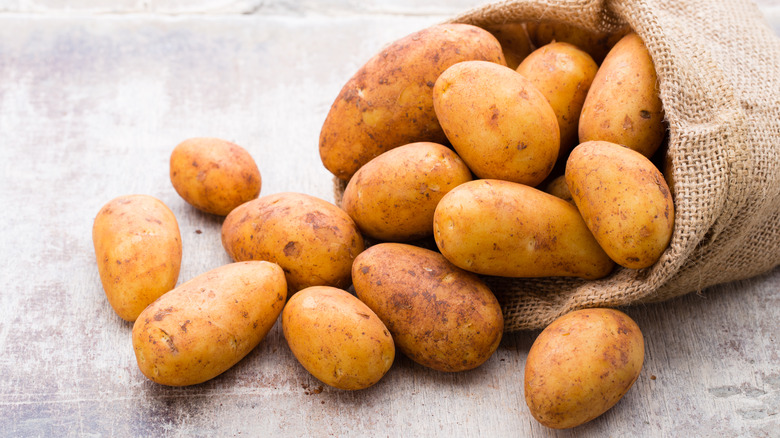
{"type": "Point", "coordinates": [718, 66]}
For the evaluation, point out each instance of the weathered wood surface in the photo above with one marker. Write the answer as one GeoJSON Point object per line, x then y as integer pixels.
{"type": "Point", "coordinates": [93, 97]}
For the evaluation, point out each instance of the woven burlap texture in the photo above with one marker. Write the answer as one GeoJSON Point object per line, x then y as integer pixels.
{"type": "Point", "coordinates": [718, 66]}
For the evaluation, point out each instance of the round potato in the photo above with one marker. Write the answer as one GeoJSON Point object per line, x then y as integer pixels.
{"type": "Point", "coordinates": [214, 175]}
{"type": "Point", "coordinates": [205, 326]}
{"type": "Point", "coordinates": [337, 338]}
{"type": "Point", "coordinates": [581, 365]}
{"type": "Point", "coordinates": [138, 250]}
{"type": "Point", "coordinates": [497, 121]}
{"type": "Point", "coordinates": [558, 188]}
{"type": "Point", "coordinates": [624, 200]}
{"type": "Point", "coordinates": [439, 315]}
{"type": "Point", "coordinates": [393, 196]}
{"type": "Point", "coordinates": [314, 241]}
{"type": "Point", "coordinates": [563, 73]}
{"type": "Point", "coordinates": [623, 105]}
{"type": "Point", "coordinates": [597, 44]}
{"type": "Point", "coordinates": [514, 41]}
{"type": "Point", "coordinates": [501, 228]}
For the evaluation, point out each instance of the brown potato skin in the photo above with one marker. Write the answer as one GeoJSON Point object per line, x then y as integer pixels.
{"type": "Point", "coordinates": [439, 315]}
{"type": "Point", "coordinates": [314, 241]}
{"type": "Point", "coordinates": [597, 44]}
{"type": "Point", "coordinates": [393, 196]}
{"type": "Point", "coordinates": [497, 121]}
{"type": "Point", "coordinates": [214, 175]}
{"type": "Point", "coordinates": [514, 41]}
{"type": "Point", "coordinates": [500, 228]}
{"type": "Point", "coordinates": [563, 73]}
{"type": "Point", "coordinates": [388, 102]}
{"type": "Point", "coordinates": [337, 338]}
{"type": "Point", "coordinates": [624, 200]}
{"type": "Point", "coordinates": [623, 105]}
{"type": "Point", "coordinates": [138, 251]}
{"type": "Point", "coordinates": [581, 365]}
{"type": "Point", "coordinates": [558, 188]}
{"type": "Point", "coordinates": [205, 326]}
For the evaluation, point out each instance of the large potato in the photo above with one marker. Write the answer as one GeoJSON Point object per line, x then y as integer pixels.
{"type": "Point", "coordinates": [393, 196]}
{"type": "Point", "coordinates": [214, 175]}
{"type": "Point", "coordinates": [337, 338]}
{"type": "Point", "coordinates": [623, 105]}
{"type": "Point", "coordinates": [501, 228]}
{"type": "Point", "coordinates": [514, 41]}
{"type": "Point", "coordinates": [138, 250]}
{"type": "Point", "coordinates": [563, 73]}
{"type": "Point", "coordinates": [597, 44]}
{"type": "Point", "coordinates": [497, 121]}
{"type": "Point", "coordinates": [439, 315]}
{"type": "Point", "coordinates": [205, 326]}
{"type": "Point", "coordinates": [388, 102]}
{"type": "Point", "coordinates": [581, 365]}
{"type": "Point", "coordinates": [624, 200]}
{"type": "Point", "coordinates": [314, 241]}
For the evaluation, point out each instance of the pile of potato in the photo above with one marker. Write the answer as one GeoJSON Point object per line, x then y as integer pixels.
{"type": "Point", "coordinates": [437, 138]}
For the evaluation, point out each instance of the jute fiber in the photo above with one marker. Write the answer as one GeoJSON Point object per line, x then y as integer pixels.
{"type": "Point", "coordinates": [718, 66]}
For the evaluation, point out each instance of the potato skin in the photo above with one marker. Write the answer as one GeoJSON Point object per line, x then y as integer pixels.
{"type": "Point", "coordinates": [138, 250]}
{"type": "Point", "coordinates": [439, 315]}
{"type": "Point", "coordinates": [205, 326]}
{"type": "Point", "coordinates": [388, 102]}
{"type": "Point", "coordinates": [497, 121]}
{"type": "Point", "coordinates": [581, 365]}
{"type": "Point", "coordinates": [514, 41]}
{"type": "Point", "coordinates": [393, 196]}
{"type": "Point", "coordinates": [214, 175]}
{"type": "Point", "coordinates": [314, 241]}
{"type": "Point", "coordinates": [624, 200]}
{"type": "Point", "coordinates": [494, 227]}
{"type": "Point", "coordinates": [623, 105]}
{"type": "Point", "coordinates": [563, 73]}
{"type": "Point", "coordinates": [558, 188]}
{"type": "Point", "coordinates": [596, 44]}
{"type": "Point", "coordinates": [337, 338]}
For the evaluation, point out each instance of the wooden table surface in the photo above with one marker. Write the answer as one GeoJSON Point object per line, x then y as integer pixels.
{"type": "Point", "coordinates": [94, 95]}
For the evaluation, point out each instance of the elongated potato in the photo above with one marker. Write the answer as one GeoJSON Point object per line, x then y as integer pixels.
{"type": "Point", "coordinates": [205, 326]}
{"type": "Point", "coordinates": [497, 121]}
{"type": "Point", "coordinates": [514, 41]}
{"type": "Point", "coordinates": [623, 105]}
{"type": "Point", "coordinates": [439, 315]}
{"type": "Point", "coordinates": [138, 250]}
{"type": "Point", "coordinates": [501, 228]}
{"type": "Point", "coordinates": [624, 200]}
{"type": "Point", "coordinates": [314, 241]}
{"type": "Point", "coordinates": [388, 102]}
{"type": "Point", "coordinates": [337, 338]}
{"type": "Point", "coordinates": [393, 196]}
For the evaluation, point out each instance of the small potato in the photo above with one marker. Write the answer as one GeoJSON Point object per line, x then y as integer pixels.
{"type": "Point", "coordinates": [624, 200]}
{"type": "Point", "coordinates": [581, 365]}
{"type": "Point", "coordinates": [558, 188]}
{"type": "Point", "coordinates": [138, 250]}
{"type": "Point", "coordinates": [337, 338]}
{"type": "Point", "coordinates": [501, 228]}
{"type": "Point", "coordinates": [623, 105]}
{"type": "Point", "coordinates": [393, 196]}
{"type": "Point", "coordinates": [597, 44]}
{"type": "Point", "coordinates": [388, 102]}
{"type": "Point", "coordinates": [214, 175]}
{"type": "Point", "coordinates": [314, 241]}
{"type": "Point", "coordinates": [563, 73]}
{"type": "Point", "coordinates": [514, 41]}
{"type": "Point", "coordinates": [205, 326]}
{"type": "Point", "coordinates": [497, 121]}
{"type": "Point", "coordinates": [439, 315]}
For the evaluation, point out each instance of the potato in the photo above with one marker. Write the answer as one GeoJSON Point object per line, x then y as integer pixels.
{"type": "Point", "coordinates": [388, 102]}
{"type": "Point", "coordinates": [624, 200]}
{"type": "Point", "coordinates": [558, 188]}
{"type": "Point", "coordinates": [138, 250]}
{"type": "Point", "coordinates": [597, 44]}
{"type": "Point", "coordinates": [581, 365]}
{"type": "Point", "coordinates": [214, 175]}
{"type": "Point", "coordinates": [394, 195]}
{"type": "Point", "coordinates": [497, 121]}
{"type": "Point", "coordinates": [440, 316]}
{"type": "Point", "coordinates": [514, 41]}
{"type": "Point", "coordinates": [563, 73]}
{"type": "Point", "coordinates": [205, 326]}
{"type": "Point", "coordinates": [314, 241]}
{"type": "Point", "coordinates": [623, 105]}
{"type": "Point", "coordinates": [337, 338]}
{"type": "Point", "coordinates": [501, 228]}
